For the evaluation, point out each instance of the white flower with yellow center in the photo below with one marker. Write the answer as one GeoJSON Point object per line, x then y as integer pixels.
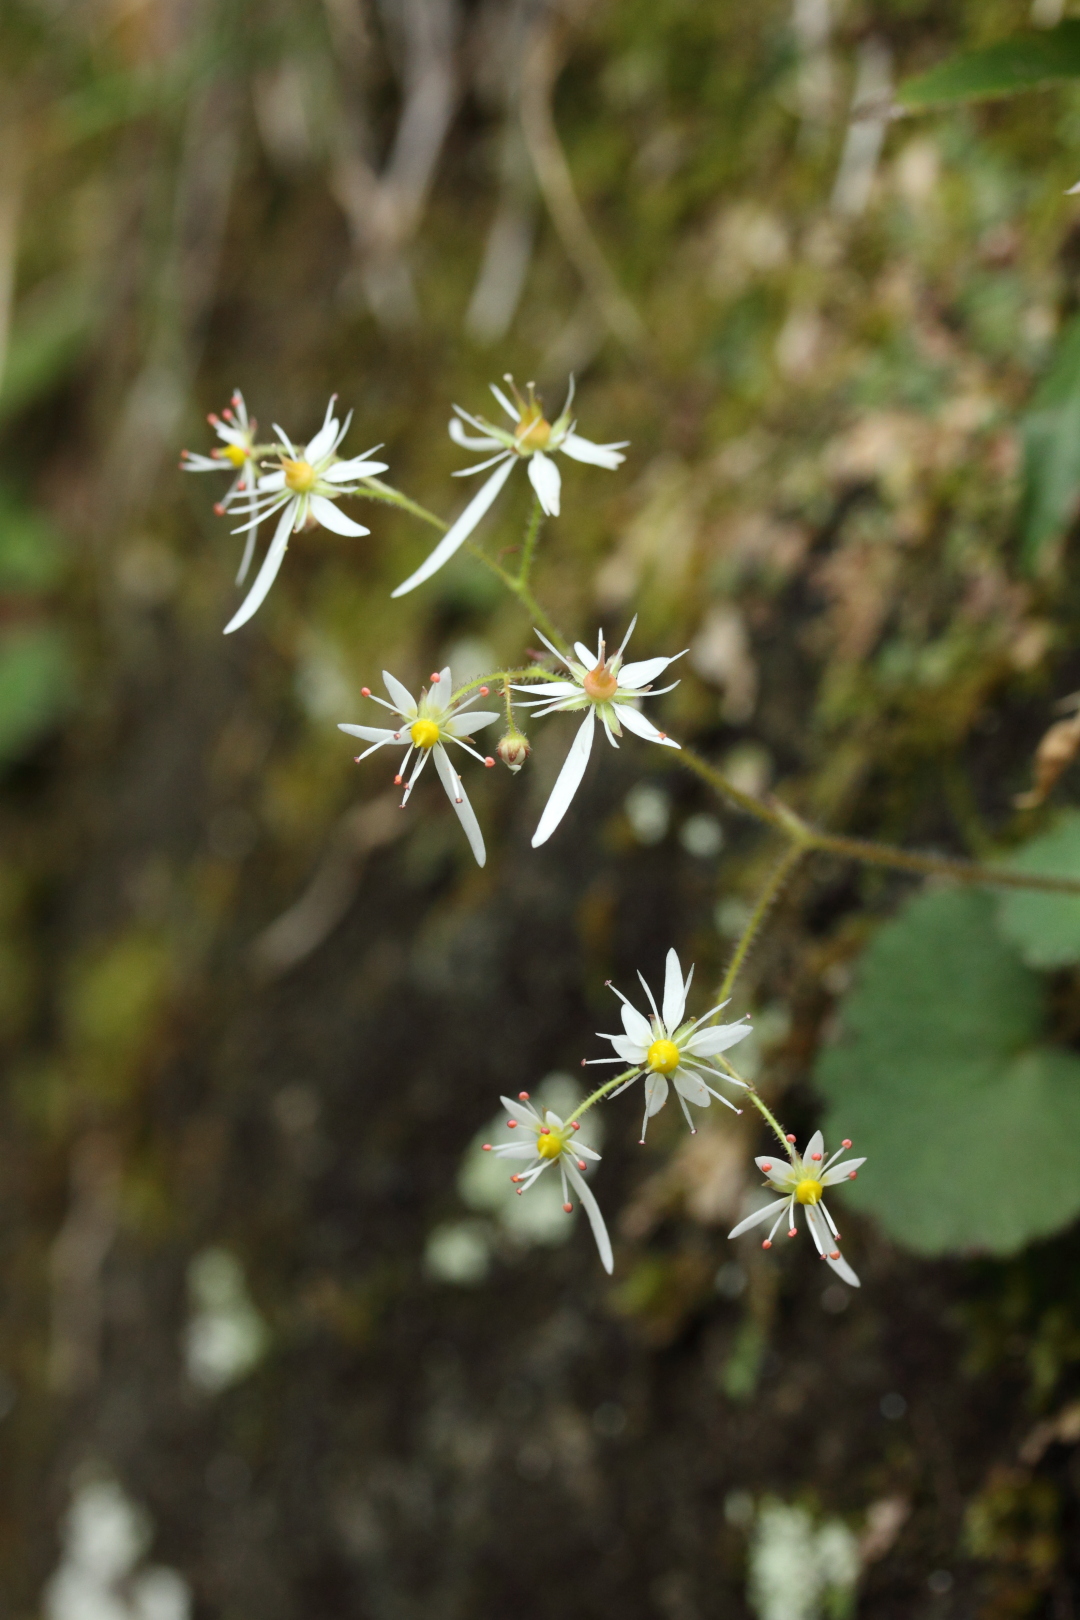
{"type": "Point", "coordinates": [548, 1142]}
{"type": "Point", "coordinates": [664, 1048]}
{"type": "Point", "coordinates": [303, 489]}
{"type": "Point", "coordinates": [532, 440]}
{"type": "Point", "coordinates": [240, 456]}
{"type": "Point", "coordinates": [603, 687]}
{"type": "Point", "coordinates": [427, 723]}
{"type": "Point", "coordinates": [802, 1181]}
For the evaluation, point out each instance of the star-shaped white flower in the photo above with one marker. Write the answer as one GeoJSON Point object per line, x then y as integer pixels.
{"type": "Point", "coordinates": [553, 1143]}
{"type": "Point", "coordinates": [664, 1048]}
{"type": "Point", "coordinates": [429, 722]}
{"type": "Point", "coordinates": [600, 686]}
{"type": "Point", "coordinates": [303, 489]}
{"type": "Point", "coordinates": [532, 440]}
{"type": "Point", "coordinates": [803, 1180]}
{"type": "Point", "coordinates": [241, 456]}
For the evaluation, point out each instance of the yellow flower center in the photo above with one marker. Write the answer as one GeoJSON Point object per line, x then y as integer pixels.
{"type": "Point", "coordinates": [663, 1057]}
{"type": "Point", "coordinates": [809, 1191]}
{"type": "Point", "coordinates": [236, 454]}
{"type": "Point", "coordinates": [300, 476]}
{"type": "Point", "coordinates": [532, 432]}
{"type": "Point", "coordinates": [600, 684]}
{"type": "Point", "coordinates": [424, 733]}
{"type": "Point", "coordinates": [550, 1146]}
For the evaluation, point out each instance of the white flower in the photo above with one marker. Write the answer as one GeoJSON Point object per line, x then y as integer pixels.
{"type": "Point", "coordinates": [663, 1047]}
{"type": "Point", "coordinates": [553, 1143]}
{"type": "Point", "coordinates": [532, 440]}
{"type": "Point", "coordinates": [605, 687]}
{"type": "Point", "coordinates": [430, 722]}
{"type": "Point", "coordinates": [803, 1180]}
{"type": "Point", "coordinates": [241, 455]}
{"type": "Point", "coordinates": [303, 490]}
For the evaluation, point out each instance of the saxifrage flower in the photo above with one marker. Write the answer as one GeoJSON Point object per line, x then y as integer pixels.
{"type": "Point", "coordinates": [240, 456]}
{"type": "Point", "coordinates": [532, 440]}
{"type": "Point", "coordinates": [803, 1180]}
{"type": "Point", "coordinates": [553, 1143]}
{"type": "Point", "coordinates": [303, 489]}
{"type": "Point", "coordinates": [664, 1048]}
{"type": "Point", "coordinates": [601, 686]}
{"type": "Point", "coordinates": [429, 722]}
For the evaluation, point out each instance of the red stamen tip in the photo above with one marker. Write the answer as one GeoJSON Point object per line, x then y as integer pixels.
{"type": "Point", "coordinates": [575, 1125]}
{"type": "Point", "coordinates": [435, 677]}
{"type": "Point", "coordinates": [583, 1063]}
{"type": "Point", "coordinates": [211, 417]}
{"type": "Point", "coordinates": [227, 414]}
{"type": "Point", "coordinates": [489, 762]}
{"type": "Point", "coordinates": [568, 1208]}
{"type": "Point", "coordinates": [581, 1164]}
{"type": "Point", "coordinates": [545, 1130]}
{"type": "Point", "coordinates": [846, 1143]}
{"type": "Point", "coordinates": [219, 509]}
{"type": "Point", "coordinates": [365, 691]}
{"type": "Point", "coordinates": [793, 1231]}
{"type": "Point", "coordinates": [851, 1175]}
{"type": "Point", "coordinates": [767, 1243]}
{"type": "Point", "coordinates": [487, 1147]}
{"type": "Point", "coordinates": [397, 779]}
{"type": "Point", "coordinates": [662, 735]}
{"type": "Point", "coordinates": [766, 1165]}
{"type": "Point", "coordinates": [815, 1156]}
{"type": "Point", "coordinates": [236, 397]}
{"type": "Point", "coordinates": [484, 690]}
{"type": "Point", "coordinates": [515, 1179]}
{"type": "Point", "coordinates": [523, 1096]}
{"type": "Point", "coordinates": [511, 1124]}
{"type": "Point", "coordinates": [641, 1141]}
{"type": "Point", "coordinates": [789, 1139]}
{"type": "Point", "coordinates": [834, 1254]}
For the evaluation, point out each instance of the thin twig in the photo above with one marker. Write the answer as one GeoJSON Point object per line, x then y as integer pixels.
{"type": "Point", "coordinates": [773, 886]}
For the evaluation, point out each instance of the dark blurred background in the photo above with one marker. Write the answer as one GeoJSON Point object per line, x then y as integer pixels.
{"type": "Point", "coordinates": [273, 1343]}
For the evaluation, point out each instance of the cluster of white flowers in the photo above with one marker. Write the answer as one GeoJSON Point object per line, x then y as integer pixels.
{"type": "Point", "coordinates": [301, 487]}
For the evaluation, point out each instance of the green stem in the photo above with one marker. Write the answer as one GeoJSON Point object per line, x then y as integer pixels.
{"type": "Point", "coordinates": [774, 884]}
{"type": "Point", "coordinates": [787, 821]}
{"type": "Point", "coordinates": [523, 594]}
{"type": "Point", "coordinates": [504, 675]}
{"type": "Point", "coordinates": [375, 490]}
{"type": "Point", "coordinates": [528, 550]}
{"type": "Point", "coordinates": [601, 1091]}
{"type": "Point", "coordinates": [759, 1103]}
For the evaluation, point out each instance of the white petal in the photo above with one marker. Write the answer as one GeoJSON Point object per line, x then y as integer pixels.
{"type": "Point", "coordinates": [634, 676]}
{"type": "Point", "coordinates": [343, 472]}
{"type": "Point", "coordinates": [708, 1042]}
{"type": "Point", "coordinates": [511, 412]}
{"type": "Point", "coordinates": [269, 481]}
{"type": "Point", "coordinates": [756, 1218]}
{"type": "Point", "coordinates": [249, 552]}
{"type": "Point", "coordinates": [842, 1269]}
{"type": "Point", "coordinates": [520, 1110]}
{"type": "Point", "coordinates": [323, 441]}
{"type": "Point", "coordinates": [368, 733]}
{"type": "Point", "coordinates": [460, 530]}
{"type": "Point", "coordinates": [597, 455]}
{"type": "Point", "coordinates": [515, 1150]}
{"type": "Point", "coordinates": [568, 782]}
{"type": "Point", "coordinates": [400, 696]}
{"type": "Point", "coordinates": [463, 725]}
{"type": "Point", "coordinates": [543, 690]}
{"type": "Point", "coordinates": [326, 513]}
{"type": "Point", "coordinates": [637, 1026]}
{"type": "Point", "coordinates": [440, 692]}
{"type": "Point", "coordinates": [462, 808]}
{"type": "Point", "coordinates": [819, 1231]}
{"type": "Point", "coordinates": [585, 654]}
{"type": "Point", "coordinates": [841, 1171]}
{"type": "Point", "coordinates": [691, 1087]}
{"type": "Point", "coordinates": [656, 1090]}
{"type": "Point", "coordinates": [592, 1210]}
{"type": "Point", "coordinates": [267, 573]}
{"type": "Point", "coordinates": [629, 1050]}
{"type": "Point", "coordinates": [674, 992]}
{"type": "Point", "coordinates": [545, 478]}
{"type": "Point", "coordinates": [633, 721]}
{"type": "Point", "coordinates": [816, 1145]}
{"type": "Point", "coordinates": [469, 441]}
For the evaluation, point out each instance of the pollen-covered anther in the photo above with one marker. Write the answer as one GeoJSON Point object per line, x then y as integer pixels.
{"type": "Point", "coordinates": [815, 1156]}
{"type": "Point", "coordinates": [523, 1096]}
{"type": "Point", "coordinates": [568, 1209]}
{"type": "Point", "coordinates": [487, 1147]}
{"type": "Point", "coordinates": [435, 677]}
{"type": "Point", "coordinates": [365, 691]}
{"type": "Point", "coordinates": [511, 1124]}
{"type": "Point", "coordinates": [575, 1125]}
{"type": "Point", "coordinates": [767, 1243]}
{"type": "Point", "coordinates": [789, 1139]}
{"type": "Point", "coordinates": [219, 509]}
{"type": "Point", "coordinates": [852, 1175]}
{"type": "Point", "coordinates": [489, 762]}
{"type": "Point", "coordinates": [834, 1254]}
{"type": "Point", "coordinates": [484, 690]}
{"type": "Point", "coordinates": [397, 779]}
{"type": "Point", "coordinates": [846, 1143]}
{"type": "Point", "coordinates": [767, 1166]}
{"type": "Point", "coordinates": [793, 1231]}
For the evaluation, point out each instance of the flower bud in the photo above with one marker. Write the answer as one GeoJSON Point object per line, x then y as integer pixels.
{"type": "Point", "coordinates": [513, 750]}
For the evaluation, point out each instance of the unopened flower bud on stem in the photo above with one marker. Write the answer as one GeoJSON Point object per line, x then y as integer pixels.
{"type": "Point", "coordinates": [513, 750]}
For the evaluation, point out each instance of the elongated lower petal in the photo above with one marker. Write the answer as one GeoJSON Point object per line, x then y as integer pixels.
{"type": "Point", "coordinates": [249, 552]}
{"type": "Point", "coordinates": [545, 478]}
{"type": "Point", "coordinates": [637, 723]}
{"type": "Point", "coordinates": [568, 782]}
{"type": "Point", "coordinates": [455, 792]}
{"type": "Point", "coordinates": [326, 513]}
{"type": "Point", "coordinates": [460, 530]}
{"type": "Point", "coordinates": [267, 573]}
{"type": "Point", "coordinates": [592, 1210]}
{"type": "Point", "coordinates": [596, 455]}
{"type": "Point", "coordinates": [377, 734]}
{"type": "Point", "coordinates": [757, 1218]}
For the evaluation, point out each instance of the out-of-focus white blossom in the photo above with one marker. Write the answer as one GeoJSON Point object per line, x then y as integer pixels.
{"type": "Point", "coordinates": [553, 1143]}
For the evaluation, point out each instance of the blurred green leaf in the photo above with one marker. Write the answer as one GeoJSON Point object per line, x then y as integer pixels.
{"type": "Point", "coordinates": [1051, 438]}
{"type": "Point", "coordinates": [1021, 62]}
{"type": "Point", "coordinates": [941, 1080]}
{"type": "Point", "coordinates": [1045, 928]}
{"type": "Point", "coordinates": [31, 550]}
{"type": "Point", "coordinates": [48, 336]}
{"type": "Point", "coordinates": [36, 685]}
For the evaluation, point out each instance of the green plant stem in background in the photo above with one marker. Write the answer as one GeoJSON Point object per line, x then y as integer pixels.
{"type": "Point", "coordinates": [773, 886]}
{"type": "Point", "coordinates": [532, 534]}
{"type": "Point", "coordinates": [601, 1091]}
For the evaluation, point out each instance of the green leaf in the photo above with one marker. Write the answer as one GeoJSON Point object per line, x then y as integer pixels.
{"type": "Point", "coordinates": [36, 686]}
{"type": "Point", "coordinates": [1050, 431]}
{"type": "Point", "coordinates": [49, 336]}
{"type": "Point", "coordinates": [1021, 62]}
{"type": "Point", "coordinates": [940, 1079]}
{"type": "Point", "coordinates": [31, 550]}
{"type": "Point", "coordinates": [1045, 928]}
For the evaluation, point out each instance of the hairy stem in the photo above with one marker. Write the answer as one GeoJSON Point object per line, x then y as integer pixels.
{"type": "Point", "coordinates": [532, 534]}
{"type": "Point", "coordinates": [773, 886]}
{"type": "Point", "coordinates": [601, 1091]}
